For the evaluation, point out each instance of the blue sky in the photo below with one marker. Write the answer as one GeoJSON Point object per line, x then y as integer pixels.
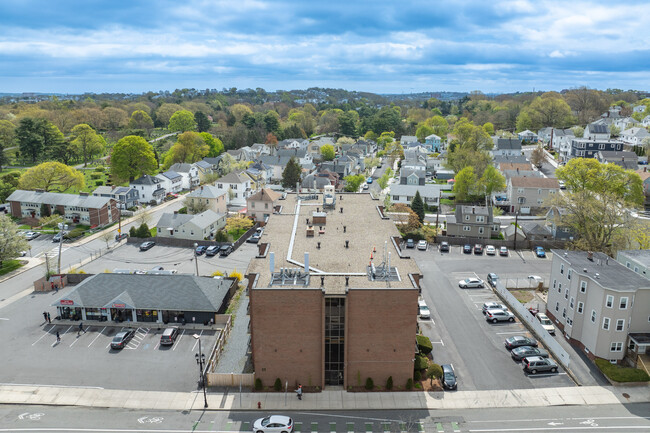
{"type": "Point", "coordinates": [377, 46]}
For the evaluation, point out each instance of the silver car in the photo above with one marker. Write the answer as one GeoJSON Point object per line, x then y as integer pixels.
{"type": "Point", "coordinates": [493, 306]}
{"type": "Point", "coordinates": [471, 282]}
{"type": "Point", "coordinates": [495, 316]}
{"type": "Point", "coordinates": [536, 364]}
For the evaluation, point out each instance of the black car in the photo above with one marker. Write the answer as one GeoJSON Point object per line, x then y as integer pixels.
{"type": "Point", "coordinates": [225, 250]}
{"type": "Point", "coordinates": [121, 339]}
{"type": "Point", "coordinates": [478, 249]}
{"type": "Point", "coordinates": [200, 250]}
{"type": "Point", "coordinates": [121, 236]}
{"type": "Point", "coordinates": [448, 377]}
{"type": "Point", "coordinates": [144, 246]}
{"type": "Point", "coordinates": [518, 341]}
{"type": "Point", "coordinates": [444, 247]}
{"type": "Point", "coordinates": [467, 249]}
{"type": "Point", "coordinates": [212, 250]}
{"type": "Point", "coordinates": [519, 353]}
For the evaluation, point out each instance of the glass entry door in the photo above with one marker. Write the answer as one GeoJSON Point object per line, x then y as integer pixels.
{"type": "Point", "coordinates": [334, 340]}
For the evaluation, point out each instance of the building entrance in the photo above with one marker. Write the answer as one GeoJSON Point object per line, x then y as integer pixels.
{"type": "Point", "coordinates": [334, 340]}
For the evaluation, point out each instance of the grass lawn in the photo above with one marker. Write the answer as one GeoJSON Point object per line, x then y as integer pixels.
{"type": "Point", "coordinates": [621, 374]}
{"type": "Point", "coordinates": [10, 265]}
{"type": "Point", "coordinates": [523, 296]}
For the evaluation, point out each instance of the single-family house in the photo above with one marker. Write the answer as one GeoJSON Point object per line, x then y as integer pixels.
{"type": "Point", "coordinates": [409, 176]}
{"type": "Point", "coordinates": [293, 143]}
{"type": "Point", "coordinates": [506, 146]}
{"type": "Point", "coordinates": [596, 131]}
{"type": "Point", "coordinates": [197, 227]}
{"type": "Point", "coordinates": [212, 197]}
{"type": "Point", "coordinates": [406, 139]}
{"type": "Point", "coordinates": [189, 173]}
{"type": "Point", "coordinates": [433, 143]}
{"type": "Point", "coordinates": [624, 123]}
{"type": "Point", "coordinates": [528, 136]}
{"type": "Point", "coordinates": [150, 189]}
{"type": "Point", "coordinates": [587, 148]}
{"type": "Point", "coordinates": [171, 181]}
{"type": "Point", "coordinates": [83, 208]}
{"type": "Point", "coordinates": [526, 194]}
{"type": "Point", "coordinates": [627, 160]}
{"type": "Point", "coordinates": [204, 169]}
{"type": "Point", "coordinates": [645, 178]}
{"type": "Point", "coordinates": [535, 231]}
{"type": "Point", "coordinates": [125, 196]}
{"type": "Point", "coordinates": [238, 187]}
{"type": "Point", "coordinates": [260, 149]}
{"type": "Point", "coordinates": [634, 136]}
{"type": "Point", "coordinates": [261, 204]}
{"type": "Point", "coordinates": [498, 159]}
{"type": "Point", "coordinates": [473, 222]}
{"type": "Point", "coordinates": [430, 193]}
{"type": "Point", "coordinates": [555, 221]}
{"type": "Point", "coordinates": [415, 164]}
{"type": "Point", "coordinates": [638, 109]}
{"type": "Point", "coordinates": [646, 121]}
{"type": "Point", "coordinates": [216, 163]}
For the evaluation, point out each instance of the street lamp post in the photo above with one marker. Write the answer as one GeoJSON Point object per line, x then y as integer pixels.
{"type": "Point", "coordinates": [200, 360]}
{"type": "Point", "coordinates": [62, 227]}
{"type": "Point", "coordinates": [196, 261]}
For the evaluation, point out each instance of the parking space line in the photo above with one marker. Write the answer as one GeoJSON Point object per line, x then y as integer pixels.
{"type": "Point", "coordinates": [196, 341]}
{"type": "Point", "coordinates": [546, 374]}
{"type": "Point", "coordinates": [523, 331]}
{"type": "Point", "coordinates": [46, 333]}
{"type": "Point", "coordinates": [178, 340]}
{"type": "Point", "coordinates": [98, 334]}
{"type": "Point", "coordinates": [109, 343]}
{"type": "Point", "coordinates": [438, 342]}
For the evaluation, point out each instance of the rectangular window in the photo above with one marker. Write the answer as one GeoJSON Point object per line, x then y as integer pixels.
{"type": "Point", "coordinates": [557, 306]}
{"type": "Point", "coordinates": [554, 283]}
{"type": "Point", "coordinates": [539, 191]}
{"type": "Point", "coordinates": [616, 347]}
{"type": "Point", "coordinates": [566, 293]}
{"type": "Point", "coordinates": [467, 228]}
{"type": "Point", "coordinates": [520, 190]}
{"type": "Point", "coordinates": [480, 230]}
{"type": "Point", "coordinates": [606, 323]}
{"type": "Point", "coordinates": [581, 306]}
{"type": "Point", "coordinates": [623, 303]}
{"type": "Point", "coordinates": [620, 324]}
{"type": "Point", "coordinates": [569, 322]}
{"type": "Point", "coordinates": [559, 287]}
{"type": "Point", "coordinates": [571, 303]}
{"type": "Point", "coordinates": [609, 303]}
{"type": "Point", "coordinates": [568, 275]}
{"type": "Point", "coordinates": [480, 218]}
{"type": "Point", "coordinates": [563, 312]}
{"type": "Point", "coordinates": [593, 316]}
{"type": "Point", "coordinates": [583, 286]}
{"type": "Point", "coordinates": [562, 268]}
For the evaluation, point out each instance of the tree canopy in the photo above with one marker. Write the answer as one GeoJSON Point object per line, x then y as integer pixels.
{"type": "Point", "coordinates": [87, 142]}
{"type": "Point", "coordinates": [327, 152]}
{"type": "Point", "coordinates": [182, 121]}
{"type": "Point", "coordinates": [291, 174]}
{"type": "Point", "coordinates": [12, 242]}
{"type": "Point", "coordinates": [132, 157]}
{"type": "Point", "coordinates": [52, 177]}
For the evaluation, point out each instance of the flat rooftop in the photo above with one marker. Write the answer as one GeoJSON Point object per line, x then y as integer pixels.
{"type": "Point", "coordinates": [360, 224]}
{"type": "Point", "coordinates": [605, 270]}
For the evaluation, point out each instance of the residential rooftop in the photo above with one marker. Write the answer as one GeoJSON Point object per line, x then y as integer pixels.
{"type": "Point", "coordinates": [360, 225]}
{"type": "Point", "coordinates": [605, 270]}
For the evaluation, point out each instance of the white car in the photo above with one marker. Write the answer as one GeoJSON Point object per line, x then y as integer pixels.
{"type": "Point", "coordinates": [423, 310]}
{"type": "Point", "coordinates": [493, 306]}
{"type": "Point", "coordinates": [490, 250]}
{"type": "Point", "coordinates": [273, 423]}
{"type": "Point", "coordinates": [422, 245]}
{"type": "Point", "coordinates": [31, 235]}
{"type": "Point", "coordinates": [536, 279]}
{"type": "Point", "coordinates": [546, 323]}
{"type": "Point", "coordinates": [471, 282]}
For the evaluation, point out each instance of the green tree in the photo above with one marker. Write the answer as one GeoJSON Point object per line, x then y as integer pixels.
{"type": "Point", "coordinates": [202, 122]}
{"type": "Point", "coordinates": [189, 147]}
{"type": "Point", "coordinates": [182, 121]}
{"type": "Point", "coordinates": [327, 152]}
{"type": "Point", "coordinates": [489, 128]}
{"type": "Point", "coordinates": [272, 121]}
{"type": "Point", "coordinates": [51, 176]}
{"type": "Point", "coordinates": [470, 136]}
{"type": "Point", "coordinates": [418, 206]}
{"type": "Point", "coordinates": [87, 142]}
{"type": "Point", "coordinates": [370, 136]}
{"type": "Point", "coordinates": [348, 123]}
{"type": "Point", "coordinates": [12, 242]}
{"type": "Point", "coordinates": [464, 184]}
{"type": "Point", "coordinates": [439, 125]}
{"type": "Point", "coordinates": [165, 112]}
{"type": "Point", "coordinates": [460, 158]}
{"type": "Point", "coordinates": [491, 181]}
{"type": "Point", "coordinates": [7, 139]}
{"type": "Point", "coordinates": [434, 371]}
{"type": "Point", "coordinates": [8, 184]}
{"type": "Point", "coordinates": [353, 182]}
{"type": "Point", "coordinates": [215, 145]}
{"type": "Point", "coordinates": [30, 137]}
{"type": "Point", "coordinates": [132, 157]}
{"type": "Point", "coordinates": [291, 174]}
{"type": "Point", "coordinates": [141, 120]}
{"type": "Point", "coordinates": [524, 121]}
{"type": "Point", "coordinates": [423, 132]}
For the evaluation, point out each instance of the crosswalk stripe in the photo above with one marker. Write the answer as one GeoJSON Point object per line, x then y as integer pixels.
{"type": "Point", "coordinates": [297, 427]}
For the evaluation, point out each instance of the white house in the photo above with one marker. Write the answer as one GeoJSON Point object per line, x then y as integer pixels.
{"type": "Point", "coordinates": [506, 146]}
{"type": "Point", "coordinates": [596, 131]}
{"type": "Point", "coordinates": [189, 173]}
{"type": "Point", "coordinates": [172, 181]}
{"type": "Point", "coordinates": [193, 227]}
{"type": "Point", "coordinates": [238, 187]}
{"type": "Point", "coordinates": [528, 136]}
{"type": "Point", "coordinates": [646, 121]}
{"type": "Point", "coordinates": [624, 123]}
{"type": "Point", "coordinates": [150, 189]}
{"type": "Point", "coordinates": [638, 109]}
{"type": "Point", "coordinates": [634, 136]}
{"type": "Point", "coordinates": [406, 139]}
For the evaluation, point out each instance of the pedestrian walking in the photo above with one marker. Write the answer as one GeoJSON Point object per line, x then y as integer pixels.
{"type": "Point", "coordinates": [58, 337]}
{"type": "Point", "coordinates": [56, 288]}
{"type": "Point", "coordinates": [81, 328]}
{"type": "Point", "coordinates": [299, 392]}
{"type": "Point", "coordinates": [49, 319]}
{"type": "Point", "coordinates": [45, 316]}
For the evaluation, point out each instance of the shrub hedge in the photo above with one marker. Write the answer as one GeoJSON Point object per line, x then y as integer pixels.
{"type": "Point", "coordinates": [424, 344]}
{"type": "Point", "coordinates": [369, 384]}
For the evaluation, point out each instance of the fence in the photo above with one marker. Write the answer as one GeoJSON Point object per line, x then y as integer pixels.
{"type": "Point", "coordinates": [561, 355]}
{"type": "Point", "coordinates": [216, 350]}
{"type": "Point", "coordinates": [231, 379]}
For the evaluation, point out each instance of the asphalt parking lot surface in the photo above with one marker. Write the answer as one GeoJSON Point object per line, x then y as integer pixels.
{"type": "Point", "coordinates": [458, 330]}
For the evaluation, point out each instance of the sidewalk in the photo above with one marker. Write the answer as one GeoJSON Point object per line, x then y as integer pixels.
{"type": "Point", "coordinates": [326, 400]}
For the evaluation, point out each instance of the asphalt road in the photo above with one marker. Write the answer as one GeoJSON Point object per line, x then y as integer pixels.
{"type": "Point", "coordinates": [458, 330]}
{"type": "Point", "coordinates": [617, 418]}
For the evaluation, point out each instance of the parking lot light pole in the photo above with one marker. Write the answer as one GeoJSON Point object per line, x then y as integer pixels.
{"type": "Point", "coordinates": [196, 261]}
{"type": "Point", "coordinates": [62, 228]}
{"type": "Point", "coordinates": [200, 360]}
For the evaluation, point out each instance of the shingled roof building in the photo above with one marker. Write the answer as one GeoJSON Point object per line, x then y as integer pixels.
{"type": "Point", "coordinates": [316, 295]}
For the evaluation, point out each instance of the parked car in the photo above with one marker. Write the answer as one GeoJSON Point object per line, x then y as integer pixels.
{"type": "Point", "coordinates": [519, 353]}
{"type": "Point", "coordinates": [493, 306]}
{"type": "Point", "coordinates": [422, 245]}
{"type": "Point", "coordinates": [57, 237]}
{"type": "Point", "coordinates": [31, 235]}
{"type": "Point", "coordinates": [121, 236]}
{"type": "Point", "coordinates": [410, 243]}
{"type": "Point", "coordinates": [449, 377]}
{"type": "Point", "coordinates": [365, 186]}
{"type": "Point", "coordinates": [157, 268]}
{"type": "Point", "coordinates": [539, 252]}
{"type": "Point", "coordinates": [273, 424]}
{"type": "Point", "coordinates": [121, 339]}
{"type": "Point", "coordinates": [495, 316]}
{"type": "Point", "coordinates": [144, 246]}
{"type": "Point", "coordinates": [169, 336]}
{"type": "Point", "coordinates": [535, 279]}
{"type": "Point", "coordinates": [200, 250]}
{"type": "Point", "coordinates": [423, 310]}
{"type": "Point", "coordinates": [537, 364]}
{"type": "Point", "coordinates": [444, 246]}
{"type": "Point", "coordinates": [478, 249]}
{"type": "Point", "coordinates": [225, 250]}
{"type": "Point", "coordinates": [546, 323]}
{"type": "Point", "coordinates": [212, 250]}
{"type": "Point", "coordinates": [518, 341]}
{"type": "Point", "coordinates": [490, 250]}
{"type": "Point", "coordinates": [492, 279]}
{"type": "Point", "coordinates": [255, 238]}
{"type": "Point", "coordinates": [467, 249]}
{"type": "Point", "coordinates": [503, 251]}
{"type": "Point", "coordinates": [369, 180]}
{"type": "Point", "coordinates": [470, 283]}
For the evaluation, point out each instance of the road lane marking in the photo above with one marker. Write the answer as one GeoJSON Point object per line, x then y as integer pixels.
{"type": "Point", "coordinates": [98, 334]}
{"type": "Point", "coordinates": [45, 334]}
{"type": "Point", "coordinates": [178, 340]}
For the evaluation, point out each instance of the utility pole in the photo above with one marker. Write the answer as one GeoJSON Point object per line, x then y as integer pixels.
{"type": "Point", "coordinates": [62, 227]}
{"type": "Point", "coordinates": [514, 247]}
{"type": "Point", "coordinates": [196, 259]}
{"type": "Point", "coordinates": [438, 209]}
{"type": "Point", "coordinates": [119, 221]}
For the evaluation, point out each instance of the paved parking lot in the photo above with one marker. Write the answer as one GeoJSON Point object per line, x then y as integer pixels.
{"type": "Point", "coordinates": [458, 329]}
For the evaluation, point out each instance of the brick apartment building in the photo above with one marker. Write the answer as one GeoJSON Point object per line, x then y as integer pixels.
{"type": "Point", "coordinates": [348, 317]}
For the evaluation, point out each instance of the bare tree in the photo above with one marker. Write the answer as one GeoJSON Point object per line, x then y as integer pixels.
{"type": "Point", "coordinates": [538, 156]}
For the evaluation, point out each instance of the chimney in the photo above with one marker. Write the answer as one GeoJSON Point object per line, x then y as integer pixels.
{"type": "Point", "coordinates": [318, 245]}
{"type": "Point", "coordinates": [473, 209]}
{"type": "Point", "coordinates": [590, 256]}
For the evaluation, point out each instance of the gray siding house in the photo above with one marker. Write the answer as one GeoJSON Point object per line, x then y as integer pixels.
{"type": "Point", "coordinates": [472, 222]}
